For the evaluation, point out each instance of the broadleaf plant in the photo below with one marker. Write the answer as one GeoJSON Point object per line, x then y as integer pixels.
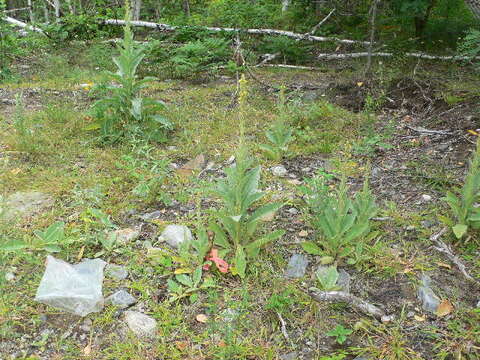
{"type": "Point", "coordinates": [125, 112]}
{"type": "Point", "coordinates": [237, 228]}
{"type": "Point", "coordinates": [339, 220]}
{"type": "Point", "coordinates": [279, 135]}
{"type": "Point", "coordinates": [464, 204]}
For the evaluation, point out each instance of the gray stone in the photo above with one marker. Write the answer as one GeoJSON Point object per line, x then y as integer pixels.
{"type": "Point", "coordinates": [279, 170]}
{"type": "Point", "coordinates": [361, 358]}
{"type": "Point", "coordinates": [290, 356]}
{"type": "Point", "coordinates": [9, 276]}
{"type": "Point", "coordinates": [292, 211]}
{"type": "Point", "coordinates": [174, 235]}
{"type": "Point", "coordinates": [343, 281]}
{"type": "Point", "coordinates": [427, 297]}
{"type": "Point", "coordinates": [311, 95]}
{"type": "Point", "coordinates": [426, 198]}
{"type": "Point", "coordinates": [478, 304]}
{"type": "Point", "coordinates": [157, 214]}
{"type": "Point", "coordinates": [427, 223]}
{"type": "Point", "coordinates": [116, 272]}
{"type": "Point", "coordinates": [297, 266]}
{"type": "Point", "coordinates": [122, 299]}
{"type": "Point", "coordinates": [141, 325]}
{"type": "Point", "coordinates": [124, 236]}
{"type": "Point", "coordinates": [376, 172]}
{"type": "Point", "coordinates": [229, 315]}
{"type": "Point", "coordinates": [25, 204]}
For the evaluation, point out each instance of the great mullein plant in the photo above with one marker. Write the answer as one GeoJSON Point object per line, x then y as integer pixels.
{"type": "Point", "coordinates": [464, 206]}
{"type": "Point", "coordinates": [280, 134]}
{"type": "Point", "coordinates": [125, 112]}
{"type": "Point", "coordinates": [238, 221]}
{"type": "Point", "coordinates": [341, 221]}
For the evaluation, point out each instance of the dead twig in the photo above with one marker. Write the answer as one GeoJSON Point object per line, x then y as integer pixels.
{"type": "Point", "coordinates": [353, 301]}
{"type": "Point", "coordinates": [428, 131]}
{"type": "Point", "coordinates": [447, 250]}
{"type": "Point", "coordinates": [284, 328]}
{"type": "Point", "coordinates": [316, 27]}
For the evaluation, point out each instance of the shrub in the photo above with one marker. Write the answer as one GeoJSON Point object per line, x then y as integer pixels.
{"type": "Point", "coordinates": [200, 56]}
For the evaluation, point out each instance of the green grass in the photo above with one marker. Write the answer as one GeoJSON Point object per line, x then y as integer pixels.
{"type": "Point", "coordinates": [58, 156]}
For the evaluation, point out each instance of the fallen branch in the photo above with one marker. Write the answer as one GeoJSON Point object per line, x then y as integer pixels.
{"type": "Point", "coordinates": [315, 28]}
{"type": "Point", "coordinates": [353, 301]}
{"type": "Point", "coordinates": [387, 54]}
{"type": "Point", "coordinates": [284, 328]}
{"type": "Point", "coordinates": [289, 66]}
{"type": "Point", "coordinates": [447, 250]}
{"type": "Point", "coordinates": [23, 25]}
{"type": "Point", "coordinates": [291, 34]}
{"type": "Point", "coordinates": [428, 131]}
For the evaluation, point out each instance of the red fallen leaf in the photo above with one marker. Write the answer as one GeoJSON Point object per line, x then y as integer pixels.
{"type": "Point", "coordinates": [222, 265]}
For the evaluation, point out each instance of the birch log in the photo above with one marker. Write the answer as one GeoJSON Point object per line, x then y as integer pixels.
{"type": "Point", "coordinates": [306, 37]}
{"type": "Point", "coordinates": [387, 54]}
{"type": "Point", "coordinates": [22, 24]}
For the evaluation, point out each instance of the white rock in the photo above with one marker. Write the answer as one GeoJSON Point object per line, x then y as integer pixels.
{"type": "Point", "coordinates": [141, 325]}
{"type": "Point", "coordinates": [426, 198]}
{"type": "Point", "coordinates": [125, 236]}
{"type": "Point", "coordinates": [9, 276]}
{"type": "Point", "coordinates": [279, 170]}
{"type": "Point", "coordinates": [116, 272]}
{"type": "Point", "coordinates": [174, 235]}
{"type": "Point", "coordinates": [121, 298]}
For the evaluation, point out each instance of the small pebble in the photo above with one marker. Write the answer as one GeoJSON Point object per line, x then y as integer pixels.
{"type": "Point", "coordinates": [292, 211]}
{"type": "Point", "coordinates": [426, 198]}
{"type": "Point", "coordinates": [9, 276]}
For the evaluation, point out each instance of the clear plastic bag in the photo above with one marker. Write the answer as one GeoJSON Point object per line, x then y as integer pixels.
{"type": "Point", "coordinates": [76, 289]}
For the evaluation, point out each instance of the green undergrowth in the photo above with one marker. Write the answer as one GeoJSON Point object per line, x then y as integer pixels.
{"type": "Point", "coordinates": [44, 146]}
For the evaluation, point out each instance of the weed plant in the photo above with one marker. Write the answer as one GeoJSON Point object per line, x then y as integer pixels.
{"type": "Point", "coordinates": [340, 221]}
{"type": "Point", "coordinates": [239, 191]}
{"type": "Point", "coordinates": [280, 134]}
{"type": "Point", "coordinates": [125, 112]}
{"type": "Point", "coordinates": [466, 213]}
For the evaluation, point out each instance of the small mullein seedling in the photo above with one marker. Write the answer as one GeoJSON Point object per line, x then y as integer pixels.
{"type": "Point", "coordinates": [340, 220]}
{"type": "Point", "coordinates": [340, 333]}
{"type": "Point", "coordinates": [464, 205]}
{"type": "Point", "coordinates": [125, 112]}
{"type": "Point", "coordinates": [50, 238]}
{"type": "Point", "coordinates": [280, 134]}
{"type": "Point", "coordinates": [328, 277]}
{"type": "Point", "coordinates": [186, 285]}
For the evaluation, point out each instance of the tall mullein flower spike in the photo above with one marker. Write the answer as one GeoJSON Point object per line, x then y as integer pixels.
{"type": "Point", "coordinates": [242, 101]}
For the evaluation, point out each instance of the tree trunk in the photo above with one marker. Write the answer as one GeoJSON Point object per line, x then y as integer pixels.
{"type": "Point", "coordinates": [373, 17]}
{"type": "Point", "coordinates": [422, 20]}
{"type": "Point", "coordinates": [45, 13]}
{"type": "Point", "coordinates": [137, 6]}
{"type": "Point", "coordinates": [57, 10]}
{"type": "Point", "coordinates": [186, 7]}
{"type": "Point", "coordinates": [30, 11]}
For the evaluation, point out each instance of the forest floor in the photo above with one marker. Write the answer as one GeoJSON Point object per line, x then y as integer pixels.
{"type": "Point", "coordinates": [343, 125]}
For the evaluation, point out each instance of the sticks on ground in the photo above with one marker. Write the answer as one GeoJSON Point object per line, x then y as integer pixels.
{"type": "Point", "coordinates": [447, 250]}
{"type": "Point", "coordinates": [22, 25]}
{"type": "Point", "coordinates": [353, 301]}
{"type": "Point", "coordinates": [291, 34]}
{"type": "Point", "coordinates": [428, 131]}
{"type": "Point", "coordinates": [388, 54]}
